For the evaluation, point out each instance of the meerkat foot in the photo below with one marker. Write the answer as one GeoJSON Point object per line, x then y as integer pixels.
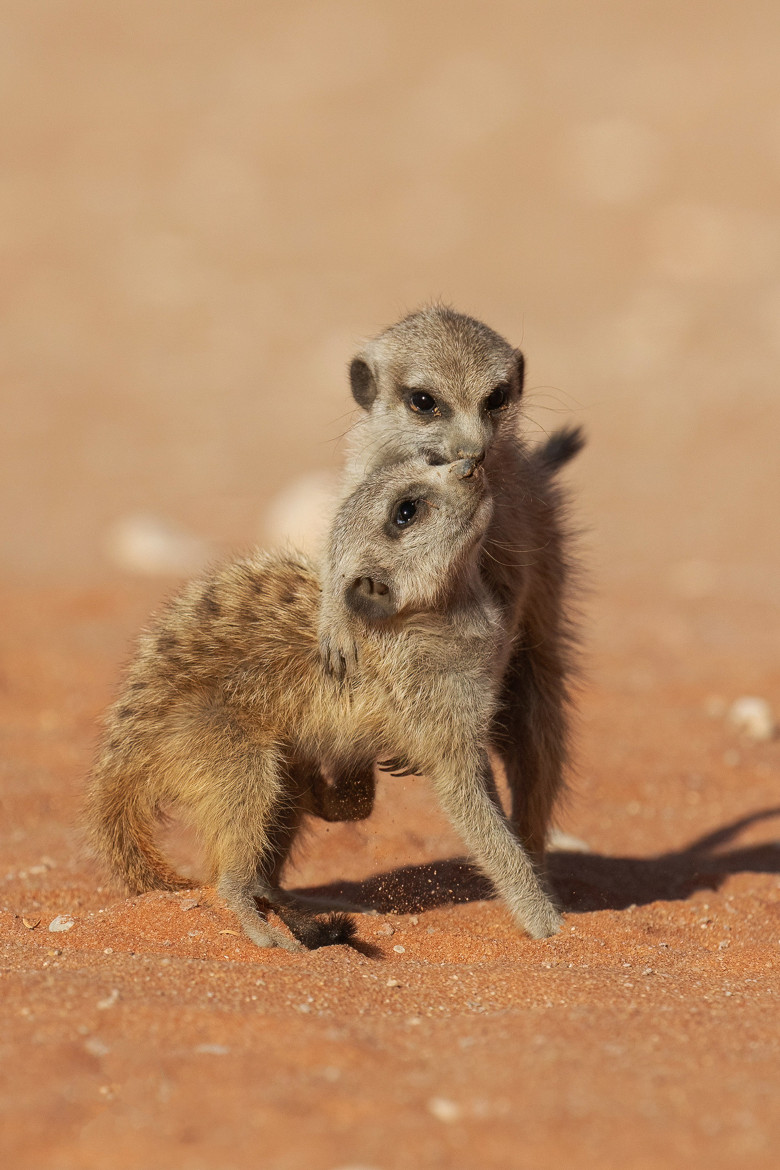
{"type": "Point", "coordinates": [262, 934]}
{"type": "Point", "coordinates": [240, 898]}
{"type": "Point", "coordinates": [541, 922]}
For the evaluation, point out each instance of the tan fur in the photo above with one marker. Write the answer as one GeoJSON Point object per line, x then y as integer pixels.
{"type": "Point", "coordinates": [525, 560]}
{"type": "Point", "coordinates": [227, 712]}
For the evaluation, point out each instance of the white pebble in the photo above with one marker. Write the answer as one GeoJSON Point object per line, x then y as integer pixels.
{"type": "Point", "coordinates": [61, 922]}
{"type": "Point", "coordinates": [558, 841]}
{"type": "Point", "coordinates": [753, 718]}
{"type": "Point", "coordinates": [96, 1047]}
{"type": "Point", "coordinates": [152, 546]}
{"type": "Point", "coordinates": [399, 950]}
{"type": "Point", "coordinates": [443, 1109]}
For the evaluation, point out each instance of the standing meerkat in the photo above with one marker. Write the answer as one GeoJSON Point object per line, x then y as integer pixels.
{"type": "Point", "coordinates": [227, 710]}
{"type": "Point", "coordinates": [443, 386]}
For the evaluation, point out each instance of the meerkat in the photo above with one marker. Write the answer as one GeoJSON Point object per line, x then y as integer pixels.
{"type": "Point", "coordinates": [444, 386]}
{"type": "Point", "coordinates": [227, 711]}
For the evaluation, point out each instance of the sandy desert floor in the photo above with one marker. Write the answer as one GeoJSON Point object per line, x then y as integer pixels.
{"type": "Point", "coordinates": [151, 1034]}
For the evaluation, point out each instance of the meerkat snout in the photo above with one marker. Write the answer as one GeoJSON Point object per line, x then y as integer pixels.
{"type": "Point", "coordinates": [468, 466]}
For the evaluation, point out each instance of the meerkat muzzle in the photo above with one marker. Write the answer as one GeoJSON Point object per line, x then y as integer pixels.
{"type": "Point", "coordinates": [468, 467]}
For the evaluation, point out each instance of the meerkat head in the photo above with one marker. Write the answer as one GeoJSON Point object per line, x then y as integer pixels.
{"type": "Point", "coordinates": [409, 534]}
{"type": "Point", "coordinates": [437, 384]}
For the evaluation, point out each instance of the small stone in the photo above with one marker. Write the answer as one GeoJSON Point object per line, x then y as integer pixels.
{"type": "Point", "coordinates": [108, 950]}
{"type": "Point", "coordinates": [304, 1007]}
{"type": "Point", "coordinates": [560, 842]}
{"type": "Point", "coordinates": [723, 944]}
{"type": "Point", "coordinates": [393, 983]}
{"type": "Point", "coordinates": [31, 923]}
{"type": "Point", "coordinates": [414, 920]}
{"type": "Point", "coordinates": [96, 1047]}
{"type": "Point", "coordinates": [385, 929]}
{"type": "Point", "coordinates": [188, 903]}
{"type": "Point", "coordinates": [109, 1001]}
{"type": "Point", "coordinates": [443, 1109]}
{"type": "Point", "coordinates": [61, 922]}
{"type": "Point", "coordinates": [399, 950]}
{"type": "Point", "coordinates": [648, 971]}
{"type": "Point", "coordinates": [152, 546]}
{"type": "Point", "coordinates": [753, 718]}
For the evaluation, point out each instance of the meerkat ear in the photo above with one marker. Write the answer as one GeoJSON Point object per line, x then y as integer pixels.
{"type": "Point", "coordinates": [371, 598]}
{"type": "Point", "coordinates": [520, 368]}
{"type": "Point", "coordinates": [363, 383]}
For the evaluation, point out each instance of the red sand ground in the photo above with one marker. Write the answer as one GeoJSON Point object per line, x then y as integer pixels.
{"type": "Point", "coordinates": [153, 1035]}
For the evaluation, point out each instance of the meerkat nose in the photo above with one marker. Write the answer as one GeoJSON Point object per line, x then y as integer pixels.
{"type": "Point", "coordinates": [466, 468]}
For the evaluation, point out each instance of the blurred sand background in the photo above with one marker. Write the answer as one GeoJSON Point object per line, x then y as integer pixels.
{"type": "Point", "coordinates": [204, 207]}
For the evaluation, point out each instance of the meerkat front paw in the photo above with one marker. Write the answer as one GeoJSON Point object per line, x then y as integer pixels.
{"type": "Point", "coordinates": [340, 656]}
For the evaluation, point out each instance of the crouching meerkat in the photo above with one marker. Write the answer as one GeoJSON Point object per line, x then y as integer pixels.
{"type": "Point", "coordinates": [442, 386]}
{"type": "Point", "coordinates": [227, 711]}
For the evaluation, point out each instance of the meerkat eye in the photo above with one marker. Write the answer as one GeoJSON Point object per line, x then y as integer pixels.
{"type": "Point", "coordinates": [421, 402]}
{"type": "Point", "coordinates": [405, 513]}
{"type": "Point", "coordinates": [497, 399]}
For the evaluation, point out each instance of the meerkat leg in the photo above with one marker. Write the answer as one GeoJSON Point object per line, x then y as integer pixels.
{"type": "Point", "coordinates": [463, 787]}
{"type": "Point", "coordinates": [531, 735]}
{"type": "Point", "coordinates": [241, 815]}
{"type": "Point", "coordinates": [282, 836]}
{"type": "Point", "coordinates": [239, 895]}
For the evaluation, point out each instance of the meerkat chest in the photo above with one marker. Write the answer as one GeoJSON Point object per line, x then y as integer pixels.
{"type": "Point", "coordinates": [418, 686]}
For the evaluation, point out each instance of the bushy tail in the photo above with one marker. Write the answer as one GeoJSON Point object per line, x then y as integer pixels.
{"type": "Point", "coordinates": [561, 446]}
{"type": "Point", "coordinates": [121, 825]}
{"type": "Point", "coordinates": [313, 931]}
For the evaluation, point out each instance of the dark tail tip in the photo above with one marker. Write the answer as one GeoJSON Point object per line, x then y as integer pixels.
{"type": "Point", "coordinates": [336, 928]}
{"type": "Point", "coordinates": [561, 446]}
{"type": "Point", "coordinates": [314, 932]}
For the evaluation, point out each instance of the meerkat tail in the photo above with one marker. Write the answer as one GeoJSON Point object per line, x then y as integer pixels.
{"type": "Point", "coordinates": [561, 446]}
{"type": "Point", "coordinates": [121, 830]}
{"type": "Point", "coordinates": [329, 930]}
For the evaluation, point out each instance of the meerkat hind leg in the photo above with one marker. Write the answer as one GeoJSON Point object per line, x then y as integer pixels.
{"type": "Point", "coordinates": [532, 742]}
{"type": "Point", "coordinates": [282, 838]}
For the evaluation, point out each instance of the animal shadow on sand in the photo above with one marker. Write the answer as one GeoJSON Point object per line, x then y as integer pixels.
{"type": "Point", "coordinates": [583, 881]}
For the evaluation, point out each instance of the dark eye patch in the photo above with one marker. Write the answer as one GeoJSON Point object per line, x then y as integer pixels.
{"type": "Point", "coordinates": [498, 398]}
